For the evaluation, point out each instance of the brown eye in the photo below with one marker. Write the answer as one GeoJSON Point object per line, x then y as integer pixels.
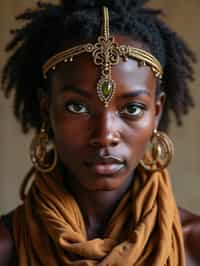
{"type": "Point", "coordinates": [76, 108]}
{"type": "Point", "coordinates": [134, 110]}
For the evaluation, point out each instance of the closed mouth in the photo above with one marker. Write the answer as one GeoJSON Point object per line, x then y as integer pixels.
{"type": "Point", "coordinates": [107, 165]}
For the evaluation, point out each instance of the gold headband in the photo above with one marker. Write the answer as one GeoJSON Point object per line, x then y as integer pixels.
{"type": "Point", "coordinates": [106, 53]}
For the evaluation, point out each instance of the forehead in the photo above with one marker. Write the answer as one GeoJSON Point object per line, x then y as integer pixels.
{"type": "Point", "coordinates": [83, 73]}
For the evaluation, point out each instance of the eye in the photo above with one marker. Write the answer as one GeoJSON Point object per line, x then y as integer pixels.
{"type": "Point", "coordinates": [76, 108]}
{"type": "Point", "coordinates": [134, 110]}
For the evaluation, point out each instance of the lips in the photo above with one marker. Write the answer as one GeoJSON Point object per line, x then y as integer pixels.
{"type": "Point", "coordinates": [107, 165]}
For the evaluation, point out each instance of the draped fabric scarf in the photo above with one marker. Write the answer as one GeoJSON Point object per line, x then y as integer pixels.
{"type": "Point", "coordinates": [144, 230]}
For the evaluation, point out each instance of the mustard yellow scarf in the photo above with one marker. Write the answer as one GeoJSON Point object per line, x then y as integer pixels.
{"type": "Point", "coordinates": [144, 230]}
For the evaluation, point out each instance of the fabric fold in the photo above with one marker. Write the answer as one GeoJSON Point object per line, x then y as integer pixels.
{"type": "Point", "coordinates": [49, 228]}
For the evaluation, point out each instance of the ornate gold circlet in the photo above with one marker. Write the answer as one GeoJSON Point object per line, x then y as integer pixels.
{"type": "Point", "coordinates": [106, 53]}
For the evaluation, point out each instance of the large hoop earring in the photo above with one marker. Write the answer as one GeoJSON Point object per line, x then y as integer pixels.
{"type": "Point", "coordinates": [160, 154]}
{"type": "Point", "coordinates": [43, 153]}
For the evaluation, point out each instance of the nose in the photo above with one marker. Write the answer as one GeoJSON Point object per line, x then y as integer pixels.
{"type": "Point", "coordinates": [105, 131]}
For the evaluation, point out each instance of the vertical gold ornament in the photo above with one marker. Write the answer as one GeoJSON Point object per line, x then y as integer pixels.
{"type": "Point", "coordinates": [106, 54]}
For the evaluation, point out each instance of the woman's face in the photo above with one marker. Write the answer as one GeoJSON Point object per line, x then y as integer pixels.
{"type": "Point", "coordinates": [100, 147]}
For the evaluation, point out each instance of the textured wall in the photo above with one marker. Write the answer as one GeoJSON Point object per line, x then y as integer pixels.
{"type": "Point", "coordinates": [183, 16]}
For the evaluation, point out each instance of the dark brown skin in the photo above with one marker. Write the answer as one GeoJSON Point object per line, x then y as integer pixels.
{"type": "Point", "coordinates": [191, 233]}
{"type": "Point", "coordinates": [6, 246]}
{"type": "Point", "coordinates": [98, 131]}
{"type": "Point", "coordinates": [85, 132]}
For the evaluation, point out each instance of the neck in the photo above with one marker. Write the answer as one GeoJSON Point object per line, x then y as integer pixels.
{"type": "Point", "coordinates": [97, 206]}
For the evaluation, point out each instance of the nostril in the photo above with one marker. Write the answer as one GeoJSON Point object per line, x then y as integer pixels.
{"type": "Point", "coordinates": [105, 141]}
{"type": "Point", "coordinates": [115, 141]}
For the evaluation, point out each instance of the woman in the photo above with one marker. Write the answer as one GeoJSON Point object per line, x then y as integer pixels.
{"type": "Point", "coordinates": [97, 80]}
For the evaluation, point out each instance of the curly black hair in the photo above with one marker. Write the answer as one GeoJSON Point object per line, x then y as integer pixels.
{"type": "Point", "coordinates": [49, 25]}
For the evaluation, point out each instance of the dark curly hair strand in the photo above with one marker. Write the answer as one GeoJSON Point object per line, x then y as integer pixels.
{"type": "Point", "coordinates": [49, 25]}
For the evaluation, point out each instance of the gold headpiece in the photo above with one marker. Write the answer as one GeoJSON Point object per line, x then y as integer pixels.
{"type": "Point", "coordinates": [106, 53]}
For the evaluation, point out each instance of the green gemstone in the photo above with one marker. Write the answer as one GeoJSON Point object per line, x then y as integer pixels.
{"type": "Point", "coordinates": [107, 88]}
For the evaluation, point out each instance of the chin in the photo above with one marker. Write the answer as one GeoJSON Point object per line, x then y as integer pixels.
{"type": "Point", "coordinates": [103, 183]}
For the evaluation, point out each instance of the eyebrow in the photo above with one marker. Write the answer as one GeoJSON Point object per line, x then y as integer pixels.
{"type": "Point", "coordinates": [135, 93]}
{"type": "Point", "coordinates": [79, 91]}
{"type": "Point", "coordinates": [76, 90]}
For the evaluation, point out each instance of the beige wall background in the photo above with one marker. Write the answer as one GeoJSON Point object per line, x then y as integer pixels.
{"type": "Point", "coordinates": [184, 17]}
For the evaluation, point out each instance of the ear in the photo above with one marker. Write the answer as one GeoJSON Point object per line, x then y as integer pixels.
{"type": "Point", "coordinates": [159, 105]}
{"type": "Point", "coordinates": [44, 107]}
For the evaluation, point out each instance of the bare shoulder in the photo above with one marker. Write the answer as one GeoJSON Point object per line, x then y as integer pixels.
{"type": "Point", "coordinates": [6, 245]}
{"type": "Point", "coordinates": [191, 231]}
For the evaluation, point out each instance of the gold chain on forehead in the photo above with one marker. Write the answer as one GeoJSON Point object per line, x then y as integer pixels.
{"type": "Point", "coordinates": [106, 53]}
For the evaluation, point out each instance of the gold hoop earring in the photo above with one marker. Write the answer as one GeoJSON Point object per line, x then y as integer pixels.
{"type": "Point", "coordinates": [43, 153]}
{"type": "Point", "coordinates": [160, 154]}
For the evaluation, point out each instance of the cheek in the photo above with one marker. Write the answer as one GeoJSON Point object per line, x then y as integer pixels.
{"type": "Point", "coordinates": [139, 135]}
{"type": "Point", "coordinates": [71, 138]}
{"type": "Point", "coordinates": [70, 135]}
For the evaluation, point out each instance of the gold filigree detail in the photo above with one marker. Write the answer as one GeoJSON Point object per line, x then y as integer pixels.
{"type": "Point", "coordinates": [106, 53]}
